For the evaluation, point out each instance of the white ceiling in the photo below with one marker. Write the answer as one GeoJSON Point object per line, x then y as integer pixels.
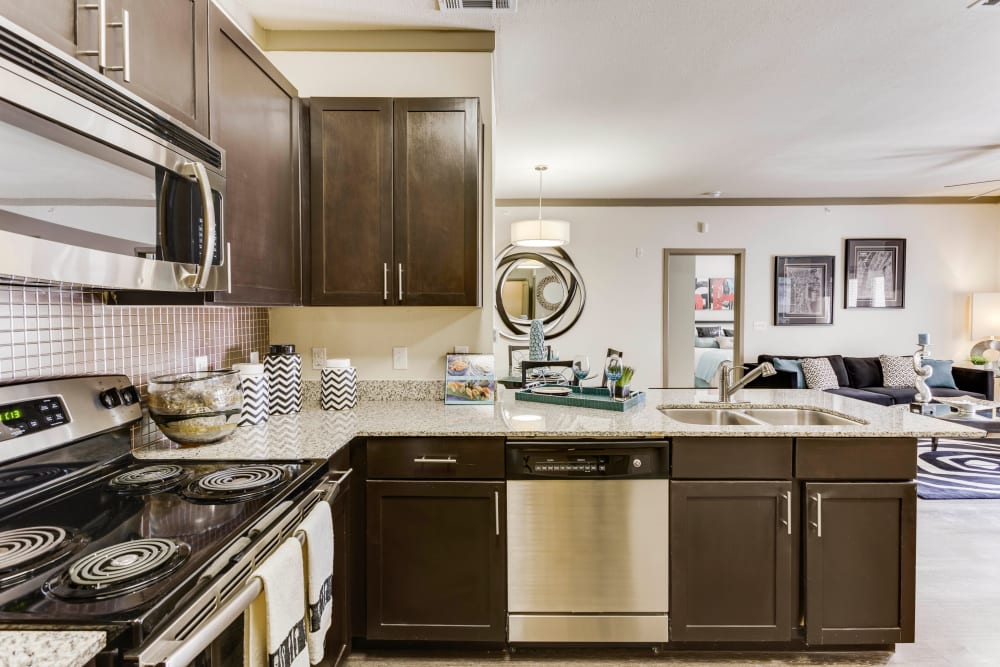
{"type": "Point", "coordinates": [756, 98]}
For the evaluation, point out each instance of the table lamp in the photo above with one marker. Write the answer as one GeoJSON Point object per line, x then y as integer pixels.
{"type": "Point", "coordinates": [986, 326]}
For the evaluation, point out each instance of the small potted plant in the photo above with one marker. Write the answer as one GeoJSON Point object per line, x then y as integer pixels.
{"type": "Point", "coordinates": [622, 388]}
{"type": "Point", "coordinates": [977, 360]}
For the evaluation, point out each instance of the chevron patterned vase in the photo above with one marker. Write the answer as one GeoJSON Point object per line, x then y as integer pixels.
{"type": "Point", "coordinates": [339, 389]}
{"type": "Point", "coordinates": [536, 341]}
{"type": "Point", "coordinates": [284, 378]}
{"type": "Point", "coordinates": [256, 403]}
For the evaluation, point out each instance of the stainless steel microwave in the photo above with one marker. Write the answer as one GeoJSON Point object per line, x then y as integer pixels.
{"type": "Point", "coordinates": [99, 188]}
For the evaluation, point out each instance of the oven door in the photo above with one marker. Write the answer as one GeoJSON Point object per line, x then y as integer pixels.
{"type": "Point", "coordinates": [99, 189]}
{"type": "Point", "coordinates": [209, 631]}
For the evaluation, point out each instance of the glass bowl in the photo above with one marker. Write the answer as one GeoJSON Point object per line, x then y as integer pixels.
{"type": "Point", "coordinates": [196, 408]}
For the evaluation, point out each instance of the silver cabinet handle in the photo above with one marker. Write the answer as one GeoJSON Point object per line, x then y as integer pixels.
{"type": "Point", "coordinates": [101, 52]}
{"type": "Point", "coordinates": [496, 510]}
{"type": "Point", "coordinates": [196, 170]}
{"type": "Point", "coordinates": [788, 511]}
{"type": "Point", "coordinates": [385, 281]}
{"type": "Point", "coordinates": [126, 67]}
{"type": "Point", "coordinates": [400, 282]}
{"type": "Point", "coordinates": [818, 524]}
{"type": "Point", "coordinates": [425, 459]}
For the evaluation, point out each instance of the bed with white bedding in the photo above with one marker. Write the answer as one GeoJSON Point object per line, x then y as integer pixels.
{"type": "Point", "coordinates": [706, 365]}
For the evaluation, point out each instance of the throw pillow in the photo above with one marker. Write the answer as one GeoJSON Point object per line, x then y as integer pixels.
{"type": "Point", "coordinates": [791, 366]}
{"type": "Point", "coordinates": [702, 341]}
{"type": "Point", "coordinates": [724, 342]}
{"type": "Point", "coordinates": [709, 332]}
{"type": "Point", "coordinates": [819, 373]}
{"type": "Point", "coordinates": [942, 377]}
{"type": "Point", "coordinates": [897, 371]}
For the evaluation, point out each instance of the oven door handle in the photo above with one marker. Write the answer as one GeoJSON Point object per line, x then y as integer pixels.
{"type": "Point", "coordinates": [182, 653]}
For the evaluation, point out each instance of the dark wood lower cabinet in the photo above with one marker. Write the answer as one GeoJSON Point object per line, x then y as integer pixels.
{"type": "Point", "coordinates": [731, 560]}
{"type": "Point", "coordinates": [860, 562]}
{"type": "Point", "coordinates": [338, 640]}
{"type": "Point", "coordinates": [436, 561]}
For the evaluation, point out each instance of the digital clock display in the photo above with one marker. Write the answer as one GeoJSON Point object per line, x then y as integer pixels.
{"type": "Point", "coordinates": [10, 414]}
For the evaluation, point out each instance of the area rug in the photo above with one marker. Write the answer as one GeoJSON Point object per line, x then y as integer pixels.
{"type": "Point", "coordinates": [958, 469]}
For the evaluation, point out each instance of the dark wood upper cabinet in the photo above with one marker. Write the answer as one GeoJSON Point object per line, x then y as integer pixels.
{"type": "Point", "coordinates": [731, 548]}
{"type": "Point", "coordinates": [860, 562]}
{"type": "Point", "coordinates": [395, 199]}
{"type": "Point", "coordinates": [65, 24]}
{"type": "Point", "coordinates": [436, 231]}
{"type": "Point", "coordinates": [351, 202]}
{"type": "Point", "coordinates": [160, 52]}
{"type": "Point", "coordinates": [436, 561]}
{"type": "Point", "coordinates": [255, 117]}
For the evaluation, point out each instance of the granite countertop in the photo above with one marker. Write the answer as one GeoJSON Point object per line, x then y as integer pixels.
{"type": "Point", "coordinates": [49, 649]}
{"type": "Point", "coordinates": [318, 434]}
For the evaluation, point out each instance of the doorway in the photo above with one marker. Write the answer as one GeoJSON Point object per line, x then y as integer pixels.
{"type": "Point", "coordinates": [703, 303]}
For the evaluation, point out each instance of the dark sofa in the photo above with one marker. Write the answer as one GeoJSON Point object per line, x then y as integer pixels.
{"type": "Point", "coordinates": [861, 378]}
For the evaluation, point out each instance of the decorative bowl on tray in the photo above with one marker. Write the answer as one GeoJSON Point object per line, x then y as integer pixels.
{"type": "Point", "coordinates": [196, 408]}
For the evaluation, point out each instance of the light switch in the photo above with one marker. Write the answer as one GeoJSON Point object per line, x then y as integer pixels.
{"type": "Point", "coordinates": [759, 325]}
{"type": "Point", "coordinates": [399, 360]}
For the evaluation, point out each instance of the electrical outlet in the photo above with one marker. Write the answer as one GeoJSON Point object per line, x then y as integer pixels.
{"type": "Point", "coordinates": [200, 364]}
{"type": "Point", "coordinates": [399, 360]}
{"type": "Point", "coordinates": [318, 357]}
{"type": "Point", "coordinates": [255, 357]}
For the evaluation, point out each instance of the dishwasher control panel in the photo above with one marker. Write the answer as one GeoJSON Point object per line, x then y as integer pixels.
{"type": "Point", "coordinates": [579, 461]}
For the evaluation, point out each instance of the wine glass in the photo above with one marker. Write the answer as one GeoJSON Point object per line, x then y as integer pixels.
{"type": "Point", "coordinates": [613, 369]}
{"type": "Point", "coordinates": [581, 368]}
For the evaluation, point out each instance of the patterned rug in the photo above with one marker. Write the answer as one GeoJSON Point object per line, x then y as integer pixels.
{"type": "Point", "coordinates": [958, 469]}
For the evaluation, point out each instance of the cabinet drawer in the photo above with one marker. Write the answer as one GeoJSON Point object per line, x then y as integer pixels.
{"type": "Point", "coordinates": [435, 458]}
{"type": "Point", "coordinates": [731, 458]}
{"type": "Point", "coordinates": [856, 458]}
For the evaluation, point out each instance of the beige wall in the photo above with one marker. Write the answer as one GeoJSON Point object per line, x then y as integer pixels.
{"type": "Point", "coordinates": [367, 335]}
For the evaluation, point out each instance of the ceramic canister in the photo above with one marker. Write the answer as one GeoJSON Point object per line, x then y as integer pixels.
{"type": "Point", "coordinates": [256, 395]}
{"type": "Point", "coordinates": [340, 385]}
{"type": "Point", "coordinates": [283, 368]}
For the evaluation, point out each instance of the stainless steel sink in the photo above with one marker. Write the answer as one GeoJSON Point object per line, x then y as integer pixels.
{"type": "Point", "coordinates": [715, 416]}
{"type": "Point", "coordinates": [710, 417]}
{"type": "Point", "coordinates": [799, 417]}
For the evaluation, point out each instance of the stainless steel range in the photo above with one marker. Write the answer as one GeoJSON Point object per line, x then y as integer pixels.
{"type": "Point", "coordinates": [157, 553]}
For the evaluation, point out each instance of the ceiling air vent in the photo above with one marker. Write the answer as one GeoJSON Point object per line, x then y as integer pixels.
{"type": "Point", "coordinates": [479, 5]}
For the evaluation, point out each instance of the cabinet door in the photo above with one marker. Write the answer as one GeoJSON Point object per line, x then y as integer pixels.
{"type": "Point", "coordinates": [860, 563]}
{"type": "Point", "coordinates": [65, 24]}
{"type": "Point", "coordinates": [436, 561]}
{"type": "Point", "coordinates": [255, 118]}
{"type": "Point", "coordinates": [730, 561]}
{"type": "Point", "coordinates": [437, 237]}
{"type": "Point", "coordinates": [159, 52]}
{"type": "Point", "coordinates": [351, 202]}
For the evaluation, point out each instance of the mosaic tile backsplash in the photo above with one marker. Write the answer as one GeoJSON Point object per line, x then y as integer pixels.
{"type": "Point", "coordinates": [48, 332]}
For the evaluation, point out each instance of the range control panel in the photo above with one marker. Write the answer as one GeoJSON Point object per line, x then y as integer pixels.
{"type": "Point", "coordinates": [587, 461]}
{"type": "Point", "coordinates": [32, 416]}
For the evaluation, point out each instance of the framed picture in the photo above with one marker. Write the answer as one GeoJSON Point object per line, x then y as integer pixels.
{"type": "Point", "coordinates": [722, 293]}
{"type": "Point", "coordinates": [803, 290]}
{"type": "Point", "coordinates": [876, 272]}
{"type": "Point", "coordinates": [701, 294]}
{"type": "Point", "coordinates": [470, 379]}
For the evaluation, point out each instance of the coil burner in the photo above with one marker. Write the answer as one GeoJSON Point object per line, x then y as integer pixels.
{"type": "Point", "coordinates": [236, 483]}
{"type": "Point", "coordinates": [19, 479]}
{"type": "Point", "coordinates": [119, 569]}
{"type": "Point", "coordinates": [149, 479]}
{"type": "Point", "coordinates": [26, 551]}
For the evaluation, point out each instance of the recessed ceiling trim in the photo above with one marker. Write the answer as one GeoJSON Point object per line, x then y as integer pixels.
{"type": "Point", "coordinates": [753, 201]}
{"type": "Point", "coordinates": [380, 40]}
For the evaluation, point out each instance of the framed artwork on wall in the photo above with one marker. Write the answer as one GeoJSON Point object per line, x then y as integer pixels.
{"type": "Point", "coordinates": [803, 290]}
{"type": "Point", "coordinates": [876, 273]}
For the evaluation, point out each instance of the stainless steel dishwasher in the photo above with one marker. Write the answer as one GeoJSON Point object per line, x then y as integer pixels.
{"type": "Point", "coordinates": [587, 541]}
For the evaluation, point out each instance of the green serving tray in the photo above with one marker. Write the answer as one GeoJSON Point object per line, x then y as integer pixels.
{"type": "Point", "coordinates": [584, 397]}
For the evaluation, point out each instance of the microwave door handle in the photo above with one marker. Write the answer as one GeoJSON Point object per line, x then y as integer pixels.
{"type": "Point", "coordinates": [196, 170]}
{"type": "Point", "coordinates": [167, 653]}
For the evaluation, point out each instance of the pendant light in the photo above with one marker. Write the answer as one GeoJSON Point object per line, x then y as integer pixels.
{"type": "Point", "coordinates": [539, 233]}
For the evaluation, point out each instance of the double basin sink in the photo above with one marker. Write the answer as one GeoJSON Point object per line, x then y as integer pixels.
{"type": "Point", "coordinates": [720, 416]}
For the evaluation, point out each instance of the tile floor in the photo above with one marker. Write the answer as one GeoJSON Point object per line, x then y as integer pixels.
{"type": "Point", "coordinates": [958, 611]}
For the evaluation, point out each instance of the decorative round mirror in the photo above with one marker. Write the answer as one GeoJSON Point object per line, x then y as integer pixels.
{"type": "Point", "coordinates": [539, 284]}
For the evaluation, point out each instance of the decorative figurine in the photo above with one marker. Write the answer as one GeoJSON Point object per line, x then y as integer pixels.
{"type": "Point", "coordinates": [923, 372]}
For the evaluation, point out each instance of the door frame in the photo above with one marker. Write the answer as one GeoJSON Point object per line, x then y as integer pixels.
{"type": "Point", "coordinates": [739, 257]}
